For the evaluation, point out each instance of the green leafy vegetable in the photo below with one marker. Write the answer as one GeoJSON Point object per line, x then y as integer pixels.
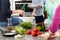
{"type": "Point", "coordinates": [27, 25]}
{"type": "Point", "coordinates": [20, 30]}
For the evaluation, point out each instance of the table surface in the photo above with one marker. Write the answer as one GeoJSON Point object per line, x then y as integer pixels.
{"type": "Point", "coordinates": [25, 37]}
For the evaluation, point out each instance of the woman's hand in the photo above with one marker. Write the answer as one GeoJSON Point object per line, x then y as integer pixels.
{"type": "Point", "coordinates": [49, 35]}
{"type": "Point", "coordinates": [46, 35]}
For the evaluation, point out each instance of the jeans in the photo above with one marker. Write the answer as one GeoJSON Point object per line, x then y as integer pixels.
{"type": "Point", "coordinates": [15, 21]}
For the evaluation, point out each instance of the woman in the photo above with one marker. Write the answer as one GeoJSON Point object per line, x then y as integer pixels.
{"type": "Point", "coordinates": [50, 6]}
{"type": "Point", "coordinates": [55, 24]}
{"type": "Point", "coordinates": [5, 13]}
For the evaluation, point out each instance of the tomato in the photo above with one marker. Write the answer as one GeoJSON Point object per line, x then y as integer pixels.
{"type": "Point", "coordinates": [28, 32]}
{"type": "Point", "coordinates": [35, 30]}
{"type": "Point", "coordinates": [38, 33]}
{"type": "Point", "coordinates": [34, 33]}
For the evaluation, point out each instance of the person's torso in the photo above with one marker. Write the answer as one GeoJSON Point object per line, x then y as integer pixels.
{"type": "Point", "coordinates": [50, 7]}
{"type": "Point", "coordinates": [4, 5]}
{"type": "Point", "coordinates": [39, 11]}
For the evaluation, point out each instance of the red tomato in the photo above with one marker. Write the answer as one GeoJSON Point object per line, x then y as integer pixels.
{"type": "Point", "coordinates": [38, 33]}
{"type": "Point", "coordinates": [28, 32]}
{"type": "Point", "coordinates": [35, 30]}
{"type": "Point", "coordinates": [34, 33]}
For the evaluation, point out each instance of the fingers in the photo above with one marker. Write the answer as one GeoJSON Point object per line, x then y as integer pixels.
{"type": "Point", "coordinates": [56, 35]}
{"type": "Point", "coordinates": [20, 12]}
{"type": "Point", "coordinates": [43, 36]}
{"type": "Point", "coordinates": [48, 36]}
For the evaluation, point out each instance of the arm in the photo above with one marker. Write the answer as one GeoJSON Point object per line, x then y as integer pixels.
{"type": "Point", "coordinates": [21, 12]}
{"type": "Point", "coordinates": [32, 14]}
{"type": "Point", "coordinates": [5, 9]}
{"type": "Point", "coordinates": [36, 4]}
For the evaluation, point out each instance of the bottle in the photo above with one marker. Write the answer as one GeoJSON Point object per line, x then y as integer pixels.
{"type": "Point", "coordinates": [9, 27]}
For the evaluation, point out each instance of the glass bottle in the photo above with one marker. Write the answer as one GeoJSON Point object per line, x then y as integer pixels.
{"type": "Point", "coordinates": [9, 28]}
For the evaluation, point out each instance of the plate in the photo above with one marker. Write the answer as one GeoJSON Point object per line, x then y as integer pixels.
{"type": "Point", "coordinates": [8, 34]}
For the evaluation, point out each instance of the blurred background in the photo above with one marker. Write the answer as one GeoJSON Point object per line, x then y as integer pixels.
{"type": "Point", "coordinates": [21, 4]}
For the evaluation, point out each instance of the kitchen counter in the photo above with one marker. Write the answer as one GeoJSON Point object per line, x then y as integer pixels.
{"type": "Point", "coordinates": [25, 37]}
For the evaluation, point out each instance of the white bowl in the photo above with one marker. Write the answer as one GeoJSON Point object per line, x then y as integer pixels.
{"type": "Point", "coordinates": [27, 19]}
